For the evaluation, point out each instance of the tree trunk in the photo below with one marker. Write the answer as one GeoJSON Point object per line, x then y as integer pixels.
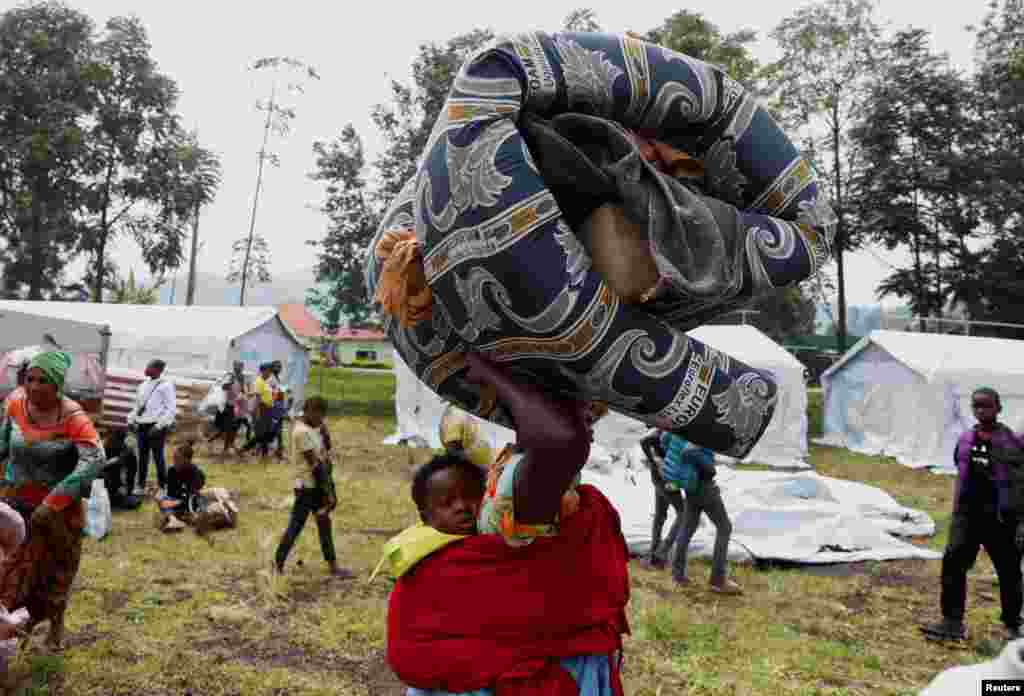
{"type": "Point", "coordinates": [840, 241]}
{"type": "Point", "coordinates": [256, 197]}
{"type": "Point", "coordinates": [101, 252]}
{"type": "Point", "coordinates": [190, 293]}
{"type": "Point", "coordinates": [35, 284]}
{"type": "Point", "coordinates": [918, 271]}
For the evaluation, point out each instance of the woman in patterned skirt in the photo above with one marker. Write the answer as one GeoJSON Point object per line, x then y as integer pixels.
{"type": "Point", "coordinates": [50, 454]}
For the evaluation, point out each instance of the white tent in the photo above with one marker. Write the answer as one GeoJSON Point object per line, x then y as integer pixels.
{"type": "Point", "coordinates": [194, 341]}
{"type": "Point", "coordinates": [798, 517]}
{"type": "Point", "coordinates": [907, 395]}
{"type": "Point", "coordinates": [418, 410]}
{"type": "Point", "coordinates": [24, 334]}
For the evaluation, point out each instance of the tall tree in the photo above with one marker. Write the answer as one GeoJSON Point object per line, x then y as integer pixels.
{"type": "Point", "coordinates": [198, 178]}
{"type": "Point", "coordinates": [916, 135]}
{"type": "Point", "coordinates": [829, 52]}
{"type": "Point", "coordinates": [999, 85]}
{"type": "Point", "coordinates": [133, 118]}
{"type": "Point", "coordinates": [129, 291]}
{"type": "Point", "coordinates": [583, 19]}
{"type": "Point", "coordinates": [692, 34]}
{"type": "Point", "coordinates": [256, 253]}
{"type": "Point", "coordinates": [352, 222]}
{"type": "Point", "coordinates": [277, 122]}
{"type": "Point", "coordinates": [352, 206]}
{"type": "Point", "coordinates": [47, 79]}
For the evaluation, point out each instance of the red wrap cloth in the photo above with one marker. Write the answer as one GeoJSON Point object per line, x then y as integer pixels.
{"type": "Point", "coordinates": [480, 614]}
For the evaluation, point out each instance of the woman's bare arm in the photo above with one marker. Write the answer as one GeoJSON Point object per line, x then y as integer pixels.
{"type": "Point", "coordinates": [554, 434]}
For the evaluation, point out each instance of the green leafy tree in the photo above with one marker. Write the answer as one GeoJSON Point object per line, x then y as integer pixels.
{"type": "Point", "coordinates": [692, 34]}
{"type": "Point", "coordinates": [47, 89]}
{"type": "Point", "coordinates": [829, 51]}
{"type": "Point", "coordinates": [999, 86]}
{"type": "Point", "coordinates": [128, 291]}
{"type": "Point", "coordinates": [583, 19]}
{"type": "Point", "coordinates": [916, 135]}
{"type": "Point", "coordinates": [126, 175]}
{"type": "Point", "coordinates": [256, 252]}
{"type": "Point", "coordinates": [198, 177]}
{"type": "Point", "coordinates": [352, 222]}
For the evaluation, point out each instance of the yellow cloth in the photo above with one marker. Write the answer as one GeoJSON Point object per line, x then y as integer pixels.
{"type": "Point", "coordinates": [263, 391]}
{"type": "Point", "coordinates": [459, 428]}
{"type": "Point", "coordinates": [402, 288]}
{"type": "Point", "coordinates": [404, 551]}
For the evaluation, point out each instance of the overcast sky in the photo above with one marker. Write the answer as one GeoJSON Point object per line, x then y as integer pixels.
{"type": "Point", "coordinates": [357, 46]}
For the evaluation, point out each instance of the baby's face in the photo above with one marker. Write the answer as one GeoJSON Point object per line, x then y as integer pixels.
{"type": "Point", "coordinates": [453, 502]}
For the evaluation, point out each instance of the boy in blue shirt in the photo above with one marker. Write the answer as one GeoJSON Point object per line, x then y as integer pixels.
{"type": "Point", "coordinates": [692, 469]}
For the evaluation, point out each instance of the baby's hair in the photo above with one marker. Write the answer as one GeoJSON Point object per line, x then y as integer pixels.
{"type": "Point", "coordinates": [440, 462]}
{"type": "Point", "coordinates": [989, 392]}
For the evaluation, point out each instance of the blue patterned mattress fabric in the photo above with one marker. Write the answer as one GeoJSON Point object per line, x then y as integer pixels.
{"type": "Point", "coordinates": [511, 279]}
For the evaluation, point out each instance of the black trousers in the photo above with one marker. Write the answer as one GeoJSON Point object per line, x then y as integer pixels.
{"type": "Point", "coordinates": [152, 439]}
{"type": "Point", "coordinates": [662, 500]}
{"type": "Point", "coordinates": [307, 502]}
{"type": "Point", "coordinates": [967, 534]}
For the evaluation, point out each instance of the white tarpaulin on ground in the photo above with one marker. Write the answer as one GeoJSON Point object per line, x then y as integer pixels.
{"type": "Point", "coordinates": [799, 517]}
{"type": "Point", "coordinates": [418, 410]}
{"type": "Point", "coordinates": [907, 395]}
{"type": "Point", "coordinates": [190, 339]}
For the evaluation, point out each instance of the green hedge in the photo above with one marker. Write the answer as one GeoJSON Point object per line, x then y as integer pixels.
{"type": "Point", "coordinates": [815, 413]}
{"type": "Point", "coordinates": [353, 393]}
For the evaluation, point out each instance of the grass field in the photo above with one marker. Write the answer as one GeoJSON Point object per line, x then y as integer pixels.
{"type": "Point", "coordinates": [172, 615]}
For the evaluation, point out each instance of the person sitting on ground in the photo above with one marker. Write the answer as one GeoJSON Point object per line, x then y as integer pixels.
{"type": "Point", "coordinates": [120, 470]}
{"type": "Point", "coordinates": [498, 537]}
{"type": "Point", "coordinates": [185, 480]}
{"type": "Point", "coordinates": [981, 517]}
{"type": "Point", "coordinates": [692, 469]}
{"type": "Point", "coordinates": [314, 487]}
{"type": "Point", "coordinates": [663, 497]}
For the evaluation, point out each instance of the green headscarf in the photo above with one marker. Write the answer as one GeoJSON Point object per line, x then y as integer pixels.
{"type": "Point", "coordinates": [54, 365]}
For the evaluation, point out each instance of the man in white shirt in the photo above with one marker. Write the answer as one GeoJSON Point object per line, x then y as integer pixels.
{"type": "Point", "coordinates": [152, 418]}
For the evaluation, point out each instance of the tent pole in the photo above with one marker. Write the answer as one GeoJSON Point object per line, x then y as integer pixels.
{"type": "Point", "coordinates": [104, 351]}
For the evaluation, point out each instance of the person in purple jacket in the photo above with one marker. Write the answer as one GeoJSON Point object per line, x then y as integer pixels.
{"type": "Point", "coordinates": [981, 517]}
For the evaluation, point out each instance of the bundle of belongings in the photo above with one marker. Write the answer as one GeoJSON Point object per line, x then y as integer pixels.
{"type": "Point", "coordinates": [638, 209]}
{"type": "Point", "coordinates": [214, 509]}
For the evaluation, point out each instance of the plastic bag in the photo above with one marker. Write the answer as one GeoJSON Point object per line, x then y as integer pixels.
{"type": "Point", "coordinates": [98, 516]}
{"type": "Point", "coordinates": [214, 401]}
{"type": "Point", "coordinates": [10, 622]}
